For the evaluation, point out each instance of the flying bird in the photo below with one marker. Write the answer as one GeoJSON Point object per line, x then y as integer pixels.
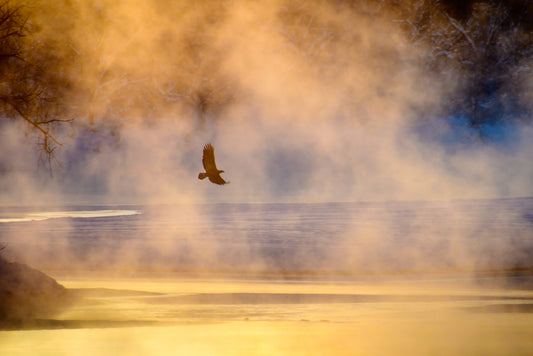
{"type": "Point", "coordinates": [211, 170]}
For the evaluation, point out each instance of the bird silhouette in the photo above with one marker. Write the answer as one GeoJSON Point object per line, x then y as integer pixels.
{"type": "Point", "coordinates": [211, 170]}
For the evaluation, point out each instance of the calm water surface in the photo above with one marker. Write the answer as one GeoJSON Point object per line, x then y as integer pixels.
{"type": "Point", "coordinates": [326, 237]}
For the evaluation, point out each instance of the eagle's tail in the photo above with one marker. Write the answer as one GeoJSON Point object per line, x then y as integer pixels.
{"type": "Point", "coordinates": [202, 175]}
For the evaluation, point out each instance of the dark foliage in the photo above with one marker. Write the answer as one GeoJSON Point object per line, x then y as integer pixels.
{"type": "Point", "coordinates": [486, 46]}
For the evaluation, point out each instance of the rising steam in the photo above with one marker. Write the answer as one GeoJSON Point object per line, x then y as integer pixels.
{"type": "Point", "coordinates": [304, 102]}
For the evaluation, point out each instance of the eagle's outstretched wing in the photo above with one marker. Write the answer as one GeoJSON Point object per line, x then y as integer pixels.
{"type": "Point", "coordinates": [208, 159]}
{"type": "Point", "coordinates": [217, 179]}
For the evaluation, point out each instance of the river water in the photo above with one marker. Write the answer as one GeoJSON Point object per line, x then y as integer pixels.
{"type": "Point", "coordinates": [280, 279]}
{"type": "Point", "coordinates": [321, 238]}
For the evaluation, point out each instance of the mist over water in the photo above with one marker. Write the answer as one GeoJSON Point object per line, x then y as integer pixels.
{"type": "Point", "coordinates": [314, 103]}
{"type": "Point", "coordinates": [379, 154]}
{"type": "Point", "coordinates": [303, 102]}
{"type": "Point", "coordinates": [304, 240]}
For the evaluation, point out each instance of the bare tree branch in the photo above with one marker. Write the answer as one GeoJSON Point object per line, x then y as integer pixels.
{"type": "Point", "coordinates": [460, 28]}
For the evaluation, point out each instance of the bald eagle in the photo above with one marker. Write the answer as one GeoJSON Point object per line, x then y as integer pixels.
{"type": "Point", "coordinates": [211, 170]}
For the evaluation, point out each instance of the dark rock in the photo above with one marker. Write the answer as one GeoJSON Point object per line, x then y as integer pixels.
{"type": "Point", "coordinates": [27, 294]}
